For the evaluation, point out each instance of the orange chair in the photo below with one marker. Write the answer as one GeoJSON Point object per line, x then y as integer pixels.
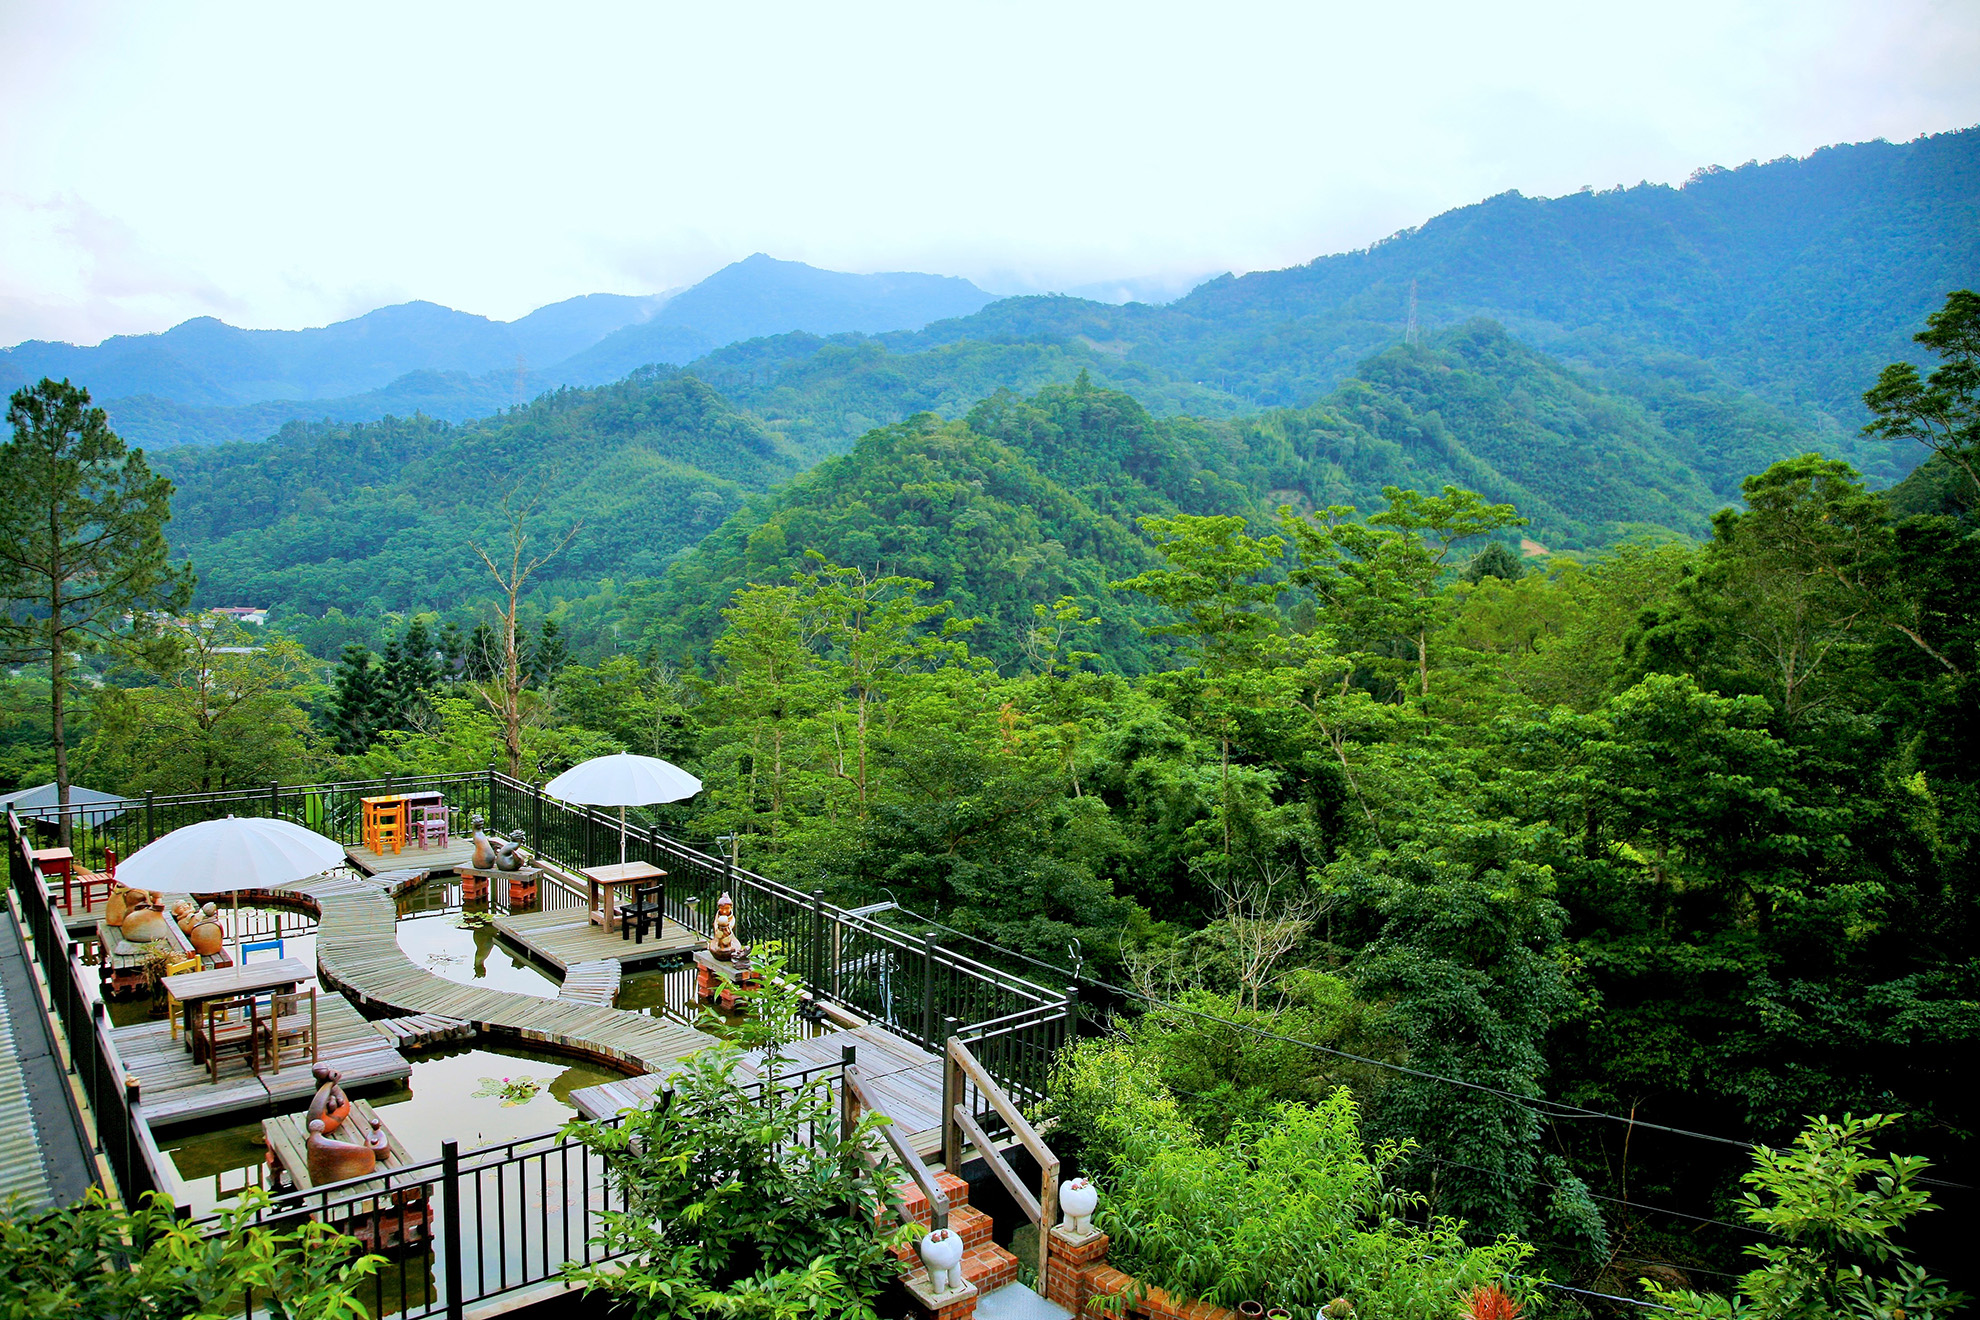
{"type": "Point", "coordinates": [389, 827]}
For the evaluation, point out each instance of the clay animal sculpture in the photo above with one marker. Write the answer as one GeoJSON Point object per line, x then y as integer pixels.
{"type": "Point", "coordinates": [145, 923]}
{"type": "Point", "coordinates": [942, 1252]}
{"type": "Point", "coordinates": [185, 914]}
{"type": "Point", "coordinates": [208, 936]}
{"type": "Point", "coordinates": [123, 899]}
{"type": "Point", "coordinates": [329, 1104]}
{"type": "Point", "coordinates": [495, 852]}
{"type": "Point", "coordinates": [333, 1160]}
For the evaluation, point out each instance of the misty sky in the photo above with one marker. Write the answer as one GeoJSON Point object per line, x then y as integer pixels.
{"type": "Point", "coordinates": [283, 166]}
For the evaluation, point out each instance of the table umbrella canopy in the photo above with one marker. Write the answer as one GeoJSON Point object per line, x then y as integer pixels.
{"type": "Point", "coordinates": [235, 853]}
{"type": "Point", "coordinates": [623, 781]}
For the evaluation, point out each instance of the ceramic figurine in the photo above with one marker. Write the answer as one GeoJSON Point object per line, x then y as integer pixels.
{"type": "Point", "coordinates": [146, 921]}
{"type": "Point", "coordinates": [942, 1252]}
{"type": "Point", "coordinates": [185, 914]}
{"type": "Point", "coordinates": [1078, 1198]}
{"type": "Point", "coordinates": [333, 1160]}
{"type": "Point", "coordinates": [723, 943]}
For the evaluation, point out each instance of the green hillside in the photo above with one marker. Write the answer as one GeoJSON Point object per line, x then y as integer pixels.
{"type": "Point", "coordinates": [378, 516]}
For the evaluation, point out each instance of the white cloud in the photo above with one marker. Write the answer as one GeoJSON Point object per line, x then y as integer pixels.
{"type": "Point", "coordinates": [284, 167]}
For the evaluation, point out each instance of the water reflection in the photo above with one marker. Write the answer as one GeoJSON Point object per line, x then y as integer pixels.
{"type": "Point", "coordinates": [431, 933]}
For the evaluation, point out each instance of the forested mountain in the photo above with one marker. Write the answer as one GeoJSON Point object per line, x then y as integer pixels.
{"type": "Point", "coordinates": [1797, 279]}
{"type": "Point", "coordinates": [1472, 407]}
{"type": "Point", "coordinates": [378, 516]}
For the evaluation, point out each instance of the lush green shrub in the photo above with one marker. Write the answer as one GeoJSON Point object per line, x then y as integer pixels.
{"type": "Point", "coordinates": [1290, 1211]}
{"type": "Point", "coordinates": [738, 1205]}
{"type": "Point", "coordinates": [1829, 1209]}
{"type": "Point", "coordinates": [85, 1261]}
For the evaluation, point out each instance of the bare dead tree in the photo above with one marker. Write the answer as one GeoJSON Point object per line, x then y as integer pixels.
{"type": "Point", "coordinates": [1267, 914]}
{"type": "Point", "coordinates": [502, 691]}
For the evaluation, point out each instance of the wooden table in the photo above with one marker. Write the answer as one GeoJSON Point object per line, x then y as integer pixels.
{"type": "Point", "coordinates": [188, 990]}
{"type": "Point", "coordinates": [62, 862]}
{"type": "Point", "coordinates": [609, 879]}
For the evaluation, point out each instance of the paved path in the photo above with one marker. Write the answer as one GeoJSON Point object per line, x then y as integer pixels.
{"type": "Point", "coordinates": [357, 950]}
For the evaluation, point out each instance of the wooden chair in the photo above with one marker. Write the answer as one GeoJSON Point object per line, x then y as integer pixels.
{"type": "Point", "coordinates": [232, 1024]}
{"type": "Point", "coordinates": [645, 908]}
{"type": "Point", "coordinates": [192, 964]}
{"type": "Point", "coordinates": [389, 826]}
{"type": "Point", "coordinates": [432, 825]}
{"type": "Point", "coordinates": [292, 1018]}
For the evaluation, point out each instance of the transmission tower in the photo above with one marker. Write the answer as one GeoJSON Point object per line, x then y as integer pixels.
{"type": "Point", "coordinates": [1409, 327]}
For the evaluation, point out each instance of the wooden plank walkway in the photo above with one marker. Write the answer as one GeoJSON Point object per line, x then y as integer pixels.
{"type": "Point", "coordinates": [594, 982]}
{"type": "Point", "coordinates": [566, 937]}
{"type": "Point", "coordinates": [421, 1029]}
{"type": "Point", "coordinates": [903, 1077]}
{"type": "Point", "coordinates": [357, 950]}
{"type": "Point", "coordinates": [177, 1090]}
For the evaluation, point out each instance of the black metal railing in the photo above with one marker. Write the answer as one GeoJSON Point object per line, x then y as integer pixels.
{"type": "Point", "coordinates": [123, 1137]}
{"type": "Point", "coordinates": [476, 1224]}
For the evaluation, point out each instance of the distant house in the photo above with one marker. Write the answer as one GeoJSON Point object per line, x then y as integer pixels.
{"type": "Point", "coordinates": [242, 614]}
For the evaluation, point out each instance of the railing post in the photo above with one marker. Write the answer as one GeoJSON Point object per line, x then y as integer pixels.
{"type": "Point", "coordinates": [848, 1102]}
{"type": "Point", "coordinates": [952, 1095]}
{"type": "Point", "coordinates": [150, 821]}
{"type": "Point", "coordinates": [450, 1224]}
{"type": "Point", "coordinates": [536, 819]}
{"type": "Point", "coordinates": [928, 990]}
{"type": "Point", "coordinates": [274, 798]}
{"type": "Point", "coordinates": [130, 1126]}
{"type": "Point", "coordinates": [818, 943]}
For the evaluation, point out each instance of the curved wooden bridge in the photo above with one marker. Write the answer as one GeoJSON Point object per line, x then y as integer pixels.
{"type": "Point", "coordinates": [357, 951]}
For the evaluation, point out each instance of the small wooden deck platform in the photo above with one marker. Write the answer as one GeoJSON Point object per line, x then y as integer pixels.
{"type": "Point", "coordinates": [440, 857]}
{"type": "Point", "coordinates": [420, 1029]}
{"type": "Point", "coordinates": [397, 1216]}
{"type": "Point", "coordinates": [903, 1077]}
{"type": "Point", "coordinates": [174, 1089]}
{"type": "Point", "coordinates": [566, 937]}
{"type": "Point", "coordinates": [357, 951]}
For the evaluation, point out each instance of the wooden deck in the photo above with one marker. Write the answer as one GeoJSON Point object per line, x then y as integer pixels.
{"type": "Point", "coordinates": [566, 937]}
{"type": "Point", "coordinates": [357, 951]}
{"type": "Point", "coordinates": [175, 1090]}
{"type": "Point", "coordinates": [412, 857]}
{"type": "Point", "coordinates": [903, 1077]}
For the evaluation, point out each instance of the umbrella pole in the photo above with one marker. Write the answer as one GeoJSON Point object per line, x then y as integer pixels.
{"type": "Point", "coordinates": [622, 835]}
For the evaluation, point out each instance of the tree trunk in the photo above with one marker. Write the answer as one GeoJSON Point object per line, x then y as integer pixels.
{"type": "Point", "coordinates": [58, 682]}
{"type": "Point", "coordinates": [1423, 659]}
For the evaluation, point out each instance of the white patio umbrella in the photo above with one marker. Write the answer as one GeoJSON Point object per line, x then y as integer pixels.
{"type": "Point", "coordinates": [240, 852]}
{"type": "Point", "coordinates": [623, 781]}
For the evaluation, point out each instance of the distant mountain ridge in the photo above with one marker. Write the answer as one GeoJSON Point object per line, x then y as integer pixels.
{"type": "Point", "coordinates": [173, 387]}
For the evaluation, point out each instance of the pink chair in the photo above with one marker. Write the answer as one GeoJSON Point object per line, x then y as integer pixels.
{"type": "Point", "coordinates": [431, 827]}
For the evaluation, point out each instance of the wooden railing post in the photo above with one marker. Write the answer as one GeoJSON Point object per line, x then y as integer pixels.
{"type": "Point", "coordinates": [952, 1096]}
{"type": "Point", "coordinates": [848, 1100]}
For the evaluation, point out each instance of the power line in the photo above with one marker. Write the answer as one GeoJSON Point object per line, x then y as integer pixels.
{"type": "Point", "coordinates": [1555, 1109]}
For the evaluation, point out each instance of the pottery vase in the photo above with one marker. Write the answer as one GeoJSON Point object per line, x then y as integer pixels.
{"type": "Point", "coordinates": [1078, 1199]}
{"type": "Point", "coordinates": [942, 1253]}
{"type": "Point", "coordinates": [1251, 1310]}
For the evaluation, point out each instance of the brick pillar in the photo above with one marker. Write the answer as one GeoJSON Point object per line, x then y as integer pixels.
{"type": "Point", "coordinates": [1069, 1270]}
